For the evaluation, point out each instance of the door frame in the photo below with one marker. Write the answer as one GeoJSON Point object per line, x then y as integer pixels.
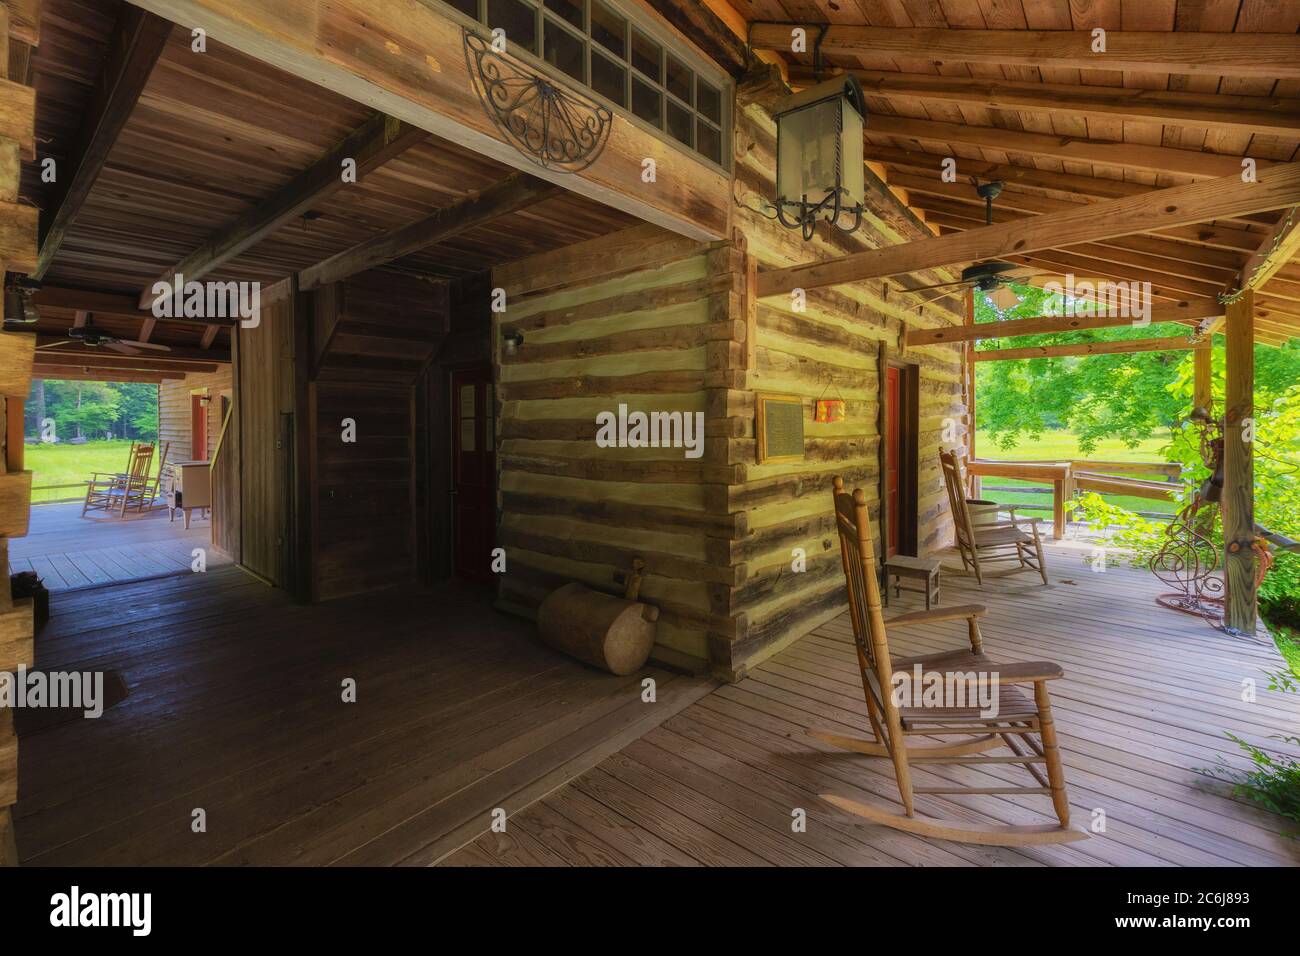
{"type": "Point", "coordinates": [909, 399]}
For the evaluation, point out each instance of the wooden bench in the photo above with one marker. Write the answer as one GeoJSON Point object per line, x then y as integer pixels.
{"type": "Point", "coordinates": [924, 570]}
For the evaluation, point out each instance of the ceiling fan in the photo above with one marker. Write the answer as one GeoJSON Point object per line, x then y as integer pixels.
{"type": "Point", "coordinates": [89, 335]}
{"type": "Point", "coordinates": [992, 277]}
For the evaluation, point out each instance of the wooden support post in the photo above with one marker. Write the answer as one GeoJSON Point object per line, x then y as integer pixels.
{"type": "Point", "coordinates": [1238, 465]}
{"type": "Point", "coordinates": [1203, 379]}
{"type": "Point", "coordinates": [969, 373]}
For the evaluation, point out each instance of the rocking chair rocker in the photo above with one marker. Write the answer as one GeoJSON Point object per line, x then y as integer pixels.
{"type": "Point", "coordinates": [1022, 723]}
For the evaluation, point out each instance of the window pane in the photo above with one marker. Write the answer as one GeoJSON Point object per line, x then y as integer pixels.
{"type": "Point", "coordinates": [708, 141]}
{"type": "Point", "coordinates": [646, 56]}
{"type": "Point", "coordinates": [467, 434]}
{"type": "Point", "coordinates": [570, 10]}
{"type": "Point", "coordinates": [609, 29]}
{"type": "Point", "coordinates": [645, 102]}
{"type": "Point", "coordinates": [517, 19]}
{"type": "Point", "coordinates": [608, 79]}
{"type": "Point", "coordinates": [679, 81]}
{"type": "Point", "coordinates": [565, 51]}
{"type": "Point", "coordinates": [708, 100]}
{"type": "Point", "coordinates": [680, 121]}
{"type": "Point", "coordinates": [467, 7]}
{"type": "Point", "coordinates": [467, 401]}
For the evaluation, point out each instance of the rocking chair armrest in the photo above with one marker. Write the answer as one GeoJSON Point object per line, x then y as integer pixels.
{"type": "Point", "coordinates": [958, 612]}
{"type": "Point", "coordinates": [1024, 672]}
{"type": "Point", "coordinates": [1015, 518]}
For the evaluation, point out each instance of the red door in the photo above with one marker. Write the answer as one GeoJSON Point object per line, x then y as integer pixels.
{"type": "Point", "coordinates": [893, 455]}
{"type": "Point", "coordinates": [198, 429]}
{"type": "Point", "coordinates": [473, 486]}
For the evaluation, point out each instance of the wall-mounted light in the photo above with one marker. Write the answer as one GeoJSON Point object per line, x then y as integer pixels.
{"type": "Point", "coordinates": [819, 165]}
{"type": "Point", "coordinates": [512, 341]}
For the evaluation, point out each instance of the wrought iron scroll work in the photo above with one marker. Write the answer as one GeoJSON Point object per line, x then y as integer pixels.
{"type": "Point", "coordinates": [1189, 560]}
{"type": "Point", "coordinates": [553, 126]}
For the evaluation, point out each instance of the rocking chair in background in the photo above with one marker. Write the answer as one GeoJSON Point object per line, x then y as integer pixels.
{"type": "Point", "coordinates": [980, 544]}
{"type": "Point", "coordinates": [1022, 723]}
{"type": "Point", "coordinates": [120, 491]}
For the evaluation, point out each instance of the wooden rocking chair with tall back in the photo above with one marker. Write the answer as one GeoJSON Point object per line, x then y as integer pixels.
{"type": "Point", "coordinates": [120, 491]}
{"type": "Point", "coordinates": [999, 541]}
{"type": "Point", "coordinates": [1021, 722]}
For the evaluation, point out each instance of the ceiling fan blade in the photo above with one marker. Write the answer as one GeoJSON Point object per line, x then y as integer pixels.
{"type": "Point", "coordinates": [122, 347]}
{"type": "Point", "coordinates": [151, 345]}
{"type": "Point", "coordinates": [942, 295]}
{"type": "Point", "coordinates": [55, 345]}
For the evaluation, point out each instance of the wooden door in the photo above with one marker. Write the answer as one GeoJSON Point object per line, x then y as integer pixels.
{"type": "Point", "coordinates": [473, 485]}
{"type": "Point", "coordinates": [894, 448]}
{"type": "Point", "coordinates": [198, 428]}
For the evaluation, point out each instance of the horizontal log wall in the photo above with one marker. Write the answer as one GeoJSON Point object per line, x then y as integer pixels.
{"type": "Point", "coordinates": [832, 349]}
{"type": "Point", "coordinates": [641, 318]}
{"type": "Point", "coordinates": [174, 412]}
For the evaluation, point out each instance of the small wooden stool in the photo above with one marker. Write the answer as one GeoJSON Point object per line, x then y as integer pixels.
{"type": "Point", "coordinates": [924, 570]}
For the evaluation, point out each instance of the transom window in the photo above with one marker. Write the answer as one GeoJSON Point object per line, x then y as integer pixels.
{"type": "Point", "coordinates": [617, 56]}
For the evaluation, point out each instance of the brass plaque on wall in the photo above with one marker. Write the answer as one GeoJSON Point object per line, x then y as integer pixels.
{"type": "Point", "coordinates": [779, 428]}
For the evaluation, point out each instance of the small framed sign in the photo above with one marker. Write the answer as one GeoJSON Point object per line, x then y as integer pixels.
{"type": "Point", "coordinates": [778, 426]}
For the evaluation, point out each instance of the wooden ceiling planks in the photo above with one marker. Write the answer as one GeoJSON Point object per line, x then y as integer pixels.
{"type": "Point", "coordinates": [1031, 164]}
{"type": "Point", "coordinates": [214, 135]}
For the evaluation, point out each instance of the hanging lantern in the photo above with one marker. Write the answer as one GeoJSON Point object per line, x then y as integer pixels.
{"type": "Point", "coordinates": [819, 166]}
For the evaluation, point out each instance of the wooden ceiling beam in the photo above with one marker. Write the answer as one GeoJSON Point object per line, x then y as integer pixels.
{"type": "Point", "coordinates": [1279, 245]}
{"type": "Point", "coordinates": [370, 145]}
{"type": "Point", "coordinates": [114, 305]}
{"type": "Point", "coordinates": [52, 358]}
{"type": "Point", "coordinates": [1270, 115]}
{"type": "Point", "coordinates": [1154, 159]}
{"type": "Point", "coordinates": [1042, 324]}
{"type": "Point", "coordinates": [515, 192]}
{"type": "Point", "coordinates": [90, 374]}
{"type": "Point", "coordinates": [134, 48]}
{"type": "Point", "coordinates": [1276, 187]}
{"type": "Point", "coordinates": [1268, 55]}
{"type": "Point", "coordinates": [1171, 344]}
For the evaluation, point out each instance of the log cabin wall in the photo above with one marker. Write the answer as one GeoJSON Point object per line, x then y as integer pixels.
{"type": "Point", "coordinates": [637, 318]}
{"type": "Point", "coordinates": [373, 340]}
{"type": "Point", "coordinates": [175, 419]}
{"type": "Point", "coordinates": [833, 348]}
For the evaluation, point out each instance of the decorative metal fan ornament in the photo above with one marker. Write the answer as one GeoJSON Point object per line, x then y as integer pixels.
{"type": "Point", "coordinates": [553, 126]}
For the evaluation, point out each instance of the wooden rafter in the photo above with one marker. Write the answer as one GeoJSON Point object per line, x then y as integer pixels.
{"type": "Point", "coordinates": [1170, 344]}
{"type": "Point", "coordinates": [513, 193]}
{"type": "Point", "coordinates": [1270, 55]}
{"type": "Point", "coordinates": [92, 374]}
{"type": "Point", "coordinates": [370, 145]}
{"type": "Point", "coordinates": [175, 353]}
{"type": "Point", "coordinates": [113, 305]}
{"type": "Point", "coordinates": [1037, 325]}
{"type": "Point", "coordinates": [1277, 187]}
{"type": "Point", "coordinates": [1279, 246]}
{"type": "Point", "coordinates": [1271, 115]}
{"type": "Point", "coordinates": [137, 42]}
{"type": "Point", "coordinates": [1156, 159]}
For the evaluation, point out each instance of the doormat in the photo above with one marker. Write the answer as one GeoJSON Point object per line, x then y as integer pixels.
{"type": "Point", "coordinates": [34, 720]}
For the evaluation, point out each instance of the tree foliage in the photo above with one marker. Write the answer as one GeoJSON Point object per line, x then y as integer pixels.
{"type": "Point", "coordinates": [93, 409]}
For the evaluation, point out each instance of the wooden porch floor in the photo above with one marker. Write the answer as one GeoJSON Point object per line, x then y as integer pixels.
{"type": "Point", "coordinates": [1147, 696]}
{"type": "Point", "coordinates": [69, 551]}
{"type": "Point", "coordinates": [235, 707]}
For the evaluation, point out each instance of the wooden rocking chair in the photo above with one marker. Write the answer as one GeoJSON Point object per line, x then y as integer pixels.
{"type": "Point", "coordinates": [981, 544]}
{"type": "Point", "coordinates": [122, 490]}
{"type": "Point", "coordinates": [1022, 723]}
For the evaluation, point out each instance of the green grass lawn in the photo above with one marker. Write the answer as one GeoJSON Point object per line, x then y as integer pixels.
{"type": "Point", "coordinates": [64, 464]}
{"type": "Point", "coordinates": [1064, 445]}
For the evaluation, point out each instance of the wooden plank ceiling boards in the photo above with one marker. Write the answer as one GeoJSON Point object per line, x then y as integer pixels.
{"type": "Point", "coordinates": [1022, 91]}
{"type": "Point", "coordinates": [219, 167]}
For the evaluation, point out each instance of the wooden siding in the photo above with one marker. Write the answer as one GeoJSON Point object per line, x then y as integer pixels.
{"type": "Point", "coordinates": [632, 319]}
{"type": "Point", "coordinates": [174, 418]}
{"type": "Point", "coordinates": [833, 348]}
{"type": "Point", "coordinates": [264, 395]}
{"type": "Point", "coordinates": [373, 337]}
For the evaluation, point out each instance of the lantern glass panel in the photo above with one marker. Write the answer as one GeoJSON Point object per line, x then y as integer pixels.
{"type": "Point", "coordinates": [820, 147]}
